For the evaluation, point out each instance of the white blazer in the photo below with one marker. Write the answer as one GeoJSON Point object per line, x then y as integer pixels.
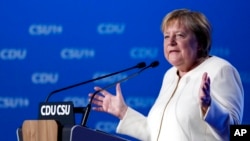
{"type": "Point", "coordinates": [176, 113]}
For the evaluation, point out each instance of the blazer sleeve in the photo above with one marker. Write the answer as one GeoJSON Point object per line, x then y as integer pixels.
{"type": "Point", "coordinates": [134, 124]}
{"type": "Point", "coordinates": [227, 102]}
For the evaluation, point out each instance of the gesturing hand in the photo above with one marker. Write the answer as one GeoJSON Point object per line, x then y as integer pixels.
{"type": "Point", "coordinates": [204, 94]}
{"type": "Point", "coordinates": [112, 104]}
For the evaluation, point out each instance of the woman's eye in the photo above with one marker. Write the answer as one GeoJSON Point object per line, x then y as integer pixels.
{"type": "Point", "coordinates": [180, 35]}
{"type": "Point", "coordinates": [166, 37]}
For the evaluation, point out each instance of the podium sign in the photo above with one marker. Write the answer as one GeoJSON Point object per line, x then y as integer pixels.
{"type": "Point", "coordinates": [60, 111]}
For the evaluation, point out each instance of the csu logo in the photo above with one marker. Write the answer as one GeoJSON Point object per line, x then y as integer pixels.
{"type": "Point", "coordinates": [13, 54]}
{"type": "Point", "coordinates": [44, 78]}
{"type": "Point", "coordinates": [110, 28]}
{"type": "Point", "coordinates": [143, 53]}
{"type": "Point", "coordinates": [71, 53]}
{"type": "Point", "coordinates": [13, 102]}
{"type": "Point", "coordinates": [52, 110]}
{"type": "Point", "coordinates": [43, 29]}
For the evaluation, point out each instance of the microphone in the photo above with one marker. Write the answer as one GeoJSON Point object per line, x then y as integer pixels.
{"type": "Point", "coordinates": [88, 107]}
{"type": "Point", "coordinates": [139, 65]}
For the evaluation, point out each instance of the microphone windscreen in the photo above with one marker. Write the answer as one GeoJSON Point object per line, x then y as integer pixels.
{"type": "Point", "coordinates": [141, 65]}
{"type": "Point", "coordinates": [154, 64]}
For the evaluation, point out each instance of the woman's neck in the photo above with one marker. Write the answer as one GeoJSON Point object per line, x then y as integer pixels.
{"type": "Point", "coordinates": [182, 72]}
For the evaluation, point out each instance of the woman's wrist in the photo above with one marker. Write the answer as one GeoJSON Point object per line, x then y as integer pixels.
{"type": "Point", "coordinates": [123, 112]}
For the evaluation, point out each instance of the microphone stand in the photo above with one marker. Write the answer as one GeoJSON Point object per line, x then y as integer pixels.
{"type": "Point", "coordinates": [139, 65]}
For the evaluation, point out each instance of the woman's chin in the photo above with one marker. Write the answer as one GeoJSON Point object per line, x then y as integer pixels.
{"type": "Point", "coordinates": [174, 61]}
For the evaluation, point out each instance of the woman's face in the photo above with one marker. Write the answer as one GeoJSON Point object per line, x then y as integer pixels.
{"type": "Point", "coordinates": [180, 46]}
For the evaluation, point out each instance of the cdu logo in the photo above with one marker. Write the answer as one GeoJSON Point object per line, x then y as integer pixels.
{"type": "Point", "coordinates": [143, 53]}
{"type": "Point", "coordinates": [44, 78]}
{"type": "Point", "coordinates": [53, 110]}
{"type": "Point", "coordinates": [111, 28]}
{"type": "Point", "coordinates": [13, 54]}
{"type": "Point", "coordinates": [61, 111]}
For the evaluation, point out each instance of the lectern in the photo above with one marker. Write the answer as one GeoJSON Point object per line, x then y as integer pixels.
{"type": "Point", "coordinates": [56, 123]}
{"type": "Point", "coordinates": [38, 130]}
{"type": "Point", "coordinates": [49, 130]}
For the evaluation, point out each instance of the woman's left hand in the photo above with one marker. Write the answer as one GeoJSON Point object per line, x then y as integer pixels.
{"type": "Point", "coordinates": [204, 94]}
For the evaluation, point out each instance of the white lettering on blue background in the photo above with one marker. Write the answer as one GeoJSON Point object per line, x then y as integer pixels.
{"type": "Point", "coordinates": [52, 110]}
{"type": "Point", "coordinates": [13, 102]}
{"type": "Point", "coordinates": [44, 78]}
{"type": "Point", "coordinates": [13, 54]}
{"type": "Point", "coordinates": [143, 53]}
{"type": "Point", "coordinates": [72, 53]}
{"type": "Point", "coordinates": [44, 29]}
{"type": "Point", "coordinates": [110, 28]}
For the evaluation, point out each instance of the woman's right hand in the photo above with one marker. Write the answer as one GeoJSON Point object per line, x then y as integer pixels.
{"type": "Point", "coordinates": [112, 104]}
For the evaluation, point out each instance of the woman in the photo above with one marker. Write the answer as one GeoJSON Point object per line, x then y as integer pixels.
{"type": "Point", "coordinates": [200, 97]}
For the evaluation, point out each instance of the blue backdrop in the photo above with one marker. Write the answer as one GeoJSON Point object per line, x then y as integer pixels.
{"type": "Point", "coordinates": [49, 44]}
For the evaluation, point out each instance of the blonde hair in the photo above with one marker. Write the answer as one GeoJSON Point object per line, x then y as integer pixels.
{"type": "Point", "coordinates": [194, 21]}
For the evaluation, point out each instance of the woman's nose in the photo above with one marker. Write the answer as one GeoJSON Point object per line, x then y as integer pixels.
{"type": "Point", "coordinates": [172, 40]}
